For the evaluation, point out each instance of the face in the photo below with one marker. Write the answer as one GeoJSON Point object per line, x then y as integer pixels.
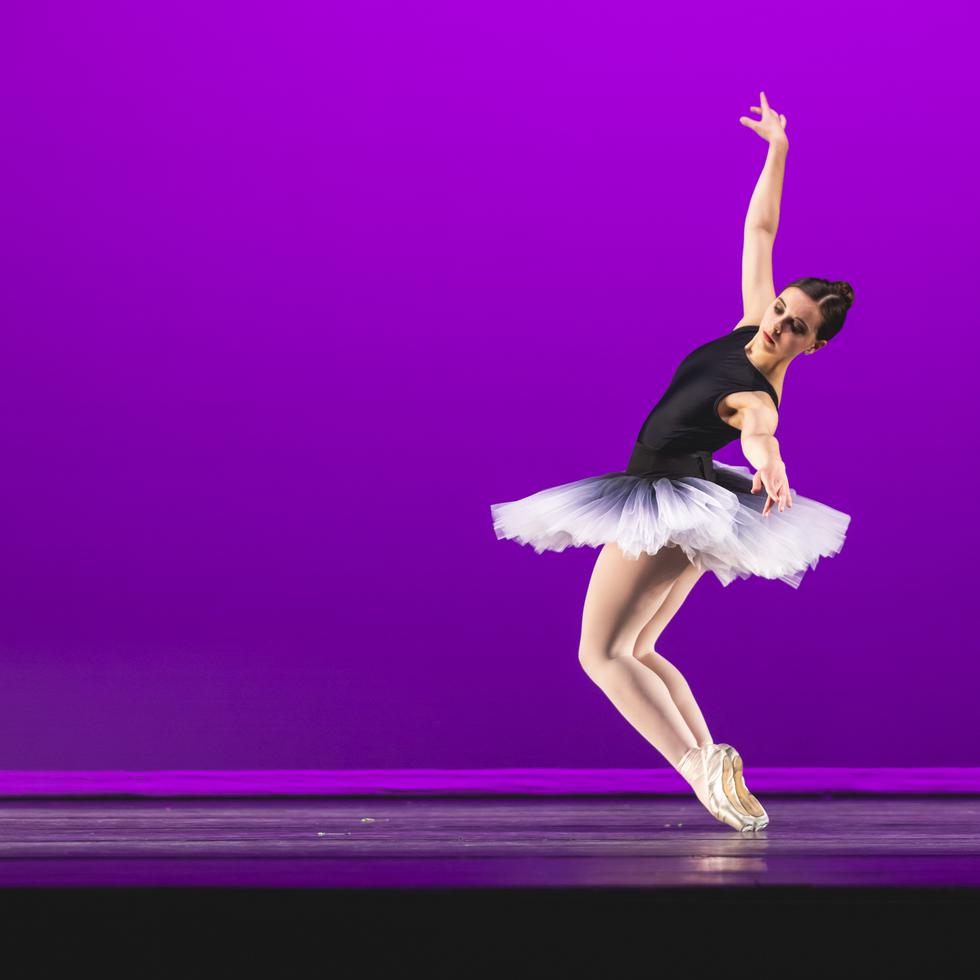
{"type": "Point", "coordinates": [791, 322]}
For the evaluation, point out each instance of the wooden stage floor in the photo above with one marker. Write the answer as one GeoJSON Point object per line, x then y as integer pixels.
{"type": "Point", "coordinates": [553, 842]}
{"type": "Point", "coordinates": [450, 884]}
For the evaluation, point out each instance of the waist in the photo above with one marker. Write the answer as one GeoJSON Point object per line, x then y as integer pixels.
{"type": "Point", "coordinates": [645, 461]}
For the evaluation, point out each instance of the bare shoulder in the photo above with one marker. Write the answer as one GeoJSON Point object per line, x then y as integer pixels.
{"type": "Point", "coordinates": [739, 407]}
{"type": "Point", "coordinates": [753, 317]}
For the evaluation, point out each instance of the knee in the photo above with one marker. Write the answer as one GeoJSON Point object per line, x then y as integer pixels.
{"type": "Point", "coordinates": [593, 657]}
{"type": "Point", "coordinates": [646, 644]}
{"type": "Point", "coordinates": [646, 650]}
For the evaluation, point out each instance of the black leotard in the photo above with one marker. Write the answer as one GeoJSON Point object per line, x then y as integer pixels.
{"type": "Point", "coordinates": [686, 420]}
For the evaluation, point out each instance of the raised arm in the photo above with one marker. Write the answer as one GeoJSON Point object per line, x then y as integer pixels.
{"type": "Point", "coordinates": [756, 417]}
{"type": "Point", "coordinates": [762, 217]}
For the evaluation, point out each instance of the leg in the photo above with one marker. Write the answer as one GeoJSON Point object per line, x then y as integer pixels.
{"type": "Point", "coordinates": [644, 651]}
{"type": "Point", "coordinates": [680, 690]}
{"type": "Point", "coordinates": [623, 595]}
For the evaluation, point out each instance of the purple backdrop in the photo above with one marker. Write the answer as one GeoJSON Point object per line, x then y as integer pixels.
{"type": "Point", "coordinates": [293, 293]}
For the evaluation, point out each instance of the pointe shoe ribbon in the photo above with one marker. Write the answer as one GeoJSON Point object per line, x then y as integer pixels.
{"type": "Point", "coordinates": [712, 765]}
{"type": "Point", "coordinates": [746, 799]}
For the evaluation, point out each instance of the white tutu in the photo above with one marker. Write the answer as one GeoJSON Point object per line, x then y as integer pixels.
{"type": "Point", "coordinates": [720, 530]}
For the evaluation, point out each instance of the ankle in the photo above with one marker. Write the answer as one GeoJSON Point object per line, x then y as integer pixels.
{"type": "Point", "coordinates": [686, 760]}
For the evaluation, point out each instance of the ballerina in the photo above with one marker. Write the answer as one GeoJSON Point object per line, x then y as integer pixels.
{"type": "Point", "coordinates": [675, 512]}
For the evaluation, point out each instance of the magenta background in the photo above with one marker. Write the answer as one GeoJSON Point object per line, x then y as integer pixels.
{"type": "Point", "coordinates": [293, 292]}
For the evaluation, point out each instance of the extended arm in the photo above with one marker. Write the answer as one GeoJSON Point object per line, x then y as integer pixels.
{"type": "Point", "coordinates": [763, 213]}
{"type": "Point", "coordinates": [762, 217]}
{"type": "Point", "coordinates": [759, 443]}
{"type": "Point", "coordinates": [756, 417]}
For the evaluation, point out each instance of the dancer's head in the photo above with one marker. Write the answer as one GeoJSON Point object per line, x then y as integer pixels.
{"type": "Point", "coordinates": [805, 315]}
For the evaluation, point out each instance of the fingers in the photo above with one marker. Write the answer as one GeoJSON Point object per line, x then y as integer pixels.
{"type": "Point", "coordinates": [782, 499]}
{"type": "Point", "coordinates": [765, 106]}
{"type": "Point", "coordinates": [777, 494]}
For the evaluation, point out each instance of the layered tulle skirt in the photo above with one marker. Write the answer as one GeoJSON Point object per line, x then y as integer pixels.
{"type": "Point", "coordinates": [718, 523]}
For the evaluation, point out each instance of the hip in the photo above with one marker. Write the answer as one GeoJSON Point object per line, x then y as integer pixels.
{"type": "Point", "coordinates": [645, 461]}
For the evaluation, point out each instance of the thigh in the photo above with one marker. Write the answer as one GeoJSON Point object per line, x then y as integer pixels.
{"type": "Point", "coordinates": [623, 594]}
{"type": "Point", "coordinates": [679, 591]}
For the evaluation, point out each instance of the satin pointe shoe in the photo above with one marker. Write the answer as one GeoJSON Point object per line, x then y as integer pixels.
{"type": "Point", "coordinates": [746, 799]}
{"type": "Point", "coordinates": [723, 791]}
{"type": "Point", "coordinates": [712, 766]}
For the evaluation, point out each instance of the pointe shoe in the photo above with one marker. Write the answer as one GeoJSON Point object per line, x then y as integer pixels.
{"type": "Point", "coordinates": [723, 792]}
{"type": "Point", "coordinates": [746, 799]}
{"type": "Point", "coordinates": [713, 765]}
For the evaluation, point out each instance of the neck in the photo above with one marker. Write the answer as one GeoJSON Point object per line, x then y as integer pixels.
{"type": "Point", "coordinates": [771, 365]}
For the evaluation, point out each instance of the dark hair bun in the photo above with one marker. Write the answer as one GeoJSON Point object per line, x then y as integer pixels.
{"type": "Point", "coordinates": [844, 290]}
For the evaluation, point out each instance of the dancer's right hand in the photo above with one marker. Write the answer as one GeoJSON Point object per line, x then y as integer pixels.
{"type": "Point", "coordinates": [771, 127]}
{"type": "Point", "coordinates": [773, 477]}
